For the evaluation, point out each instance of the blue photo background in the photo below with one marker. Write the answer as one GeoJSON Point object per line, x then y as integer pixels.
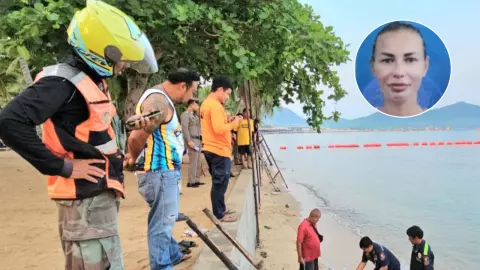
{"type": "Point", "coordinates": [433, 84]}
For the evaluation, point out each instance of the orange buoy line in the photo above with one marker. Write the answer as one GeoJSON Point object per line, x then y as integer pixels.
{"type": "Point", "coordinates": [368, 145]}
{"type": "Point", "coordinates": [398, 144]}
{"type": "Point", "coordinates": [390, 144]}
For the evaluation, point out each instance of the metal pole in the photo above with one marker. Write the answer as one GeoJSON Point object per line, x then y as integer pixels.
{"type": "Point", "coordinates": [228, 263]}
{"type": "Point", "coordinates": [247, 105]}
{"type": "Point", "coordinates": [274, 161]}
{"type": "Point", "coordinates": [257, 265]}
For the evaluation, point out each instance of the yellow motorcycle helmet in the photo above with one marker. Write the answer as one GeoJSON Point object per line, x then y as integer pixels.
{"type": "Point", "coordinates": [102, 36]}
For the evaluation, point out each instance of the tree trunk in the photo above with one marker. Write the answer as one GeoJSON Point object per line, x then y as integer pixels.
{"type": "Point", "coordinates": [27, 76]}
{"type": "Point", "coordinates": [136, 85]}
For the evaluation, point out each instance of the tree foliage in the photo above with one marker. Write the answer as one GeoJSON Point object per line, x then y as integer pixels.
{"type": "Point", "coordinates": [280, 45]}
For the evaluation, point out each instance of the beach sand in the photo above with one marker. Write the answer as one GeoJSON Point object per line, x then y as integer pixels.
{"type": "Point", "coordinates": [28, 219]}
{"type": "Point", "coordinates": [282, 213]}
{"type": "Point", "coordinates": [29, 233]}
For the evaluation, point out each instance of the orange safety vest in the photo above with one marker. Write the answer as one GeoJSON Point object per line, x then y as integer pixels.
{"type": "Point", "coordinates": [101, 112]}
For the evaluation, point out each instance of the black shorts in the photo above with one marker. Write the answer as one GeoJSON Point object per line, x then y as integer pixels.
{"type": "Point", "coordinates": [244, 149]}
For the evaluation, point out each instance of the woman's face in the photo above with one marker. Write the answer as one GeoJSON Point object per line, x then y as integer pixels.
{"type": "Point", "coordinates": [399, 64]}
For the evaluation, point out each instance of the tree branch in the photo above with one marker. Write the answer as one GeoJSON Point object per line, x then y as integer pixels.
{"type": "Point", "coordinates": [211, 35]}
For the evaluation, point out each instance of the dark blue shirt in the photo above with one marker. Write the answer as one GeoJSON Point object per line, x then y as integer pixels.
{"type": "Point", "coordinates": [422, 257]}
{"type": "Point", "coordinates": [381, 257]}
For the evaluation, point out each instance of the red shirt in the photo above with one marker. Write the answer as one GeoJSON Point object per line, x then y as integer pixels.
{"type": "Point", "coordinates": [307, 236]}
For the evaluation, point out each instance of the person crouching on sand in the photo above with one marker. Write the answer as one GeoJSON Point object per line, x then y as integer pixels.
{"type": "Point", "coordinates": [308, 241]}
{"type": "Point", "coordinates": [381, 256]}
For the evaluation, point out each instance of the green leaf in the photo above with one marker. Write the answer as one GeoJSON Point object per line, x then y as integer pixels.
{"type": "Point", "coordinates": [180, 8]}
{"type": "Point", "coordinates": [34, 31]}
{"type": "Point", "coordinates": [239, 65]}
{"type": "Point", "coordinates": [12, 67]}
{"type": "Point", "coordinates": [38, 6]}
{"type": "Point", "coordinates": [23, 52]}
{"type": "Point", "coordinates": [182, 17]}
{"type": "Point", "coordinates": [53, 16]}
{"type": "Point", "coordinates": [227, 28]}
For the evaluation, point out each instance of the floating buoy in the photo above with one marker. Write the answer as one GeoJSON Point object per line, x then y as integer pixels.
{"type": "Point", "coordinates": [398, 144]}
{"type": "Point", "coordinates": [371, 145]}
{"type": "Point", "coordinates": [283, 147]}
{"type": "Point", "coordinates": [449, 143]}
{"type": "Point", "coordinates": [316, 146]}
{"type": "Point", "coordinates": [441, 143]}
{"type": "Point", "coordinates": [424, 143]}
{"type": "Point", "coordinates": [300, 147]}
{"type": "Point", "coordinates": [476, 142]}
{"type": "Point", "coordinates": [433, 144]}
{"type": "Point", "coordinates": [309, 147]}
{"type": "Point", "coordinates": [331, 146]}
{"type": "Point", "coordinates": [416, 144]}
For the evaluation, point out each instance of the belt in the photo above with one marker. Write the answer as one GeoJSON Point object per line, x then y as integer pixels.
{"type": "Point", "coordinates": [196, 137]}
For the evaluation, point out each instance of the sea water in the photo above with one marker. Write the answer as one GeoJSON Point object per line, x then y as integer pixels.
{"type": "Point", "coordinates": [381, 192]}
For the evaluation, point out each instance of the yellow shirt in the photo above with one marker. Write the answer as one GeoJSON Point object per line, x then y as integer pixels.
{"type": "Point", "coordinates": [243, 138]}
{"type": "Point", "coordinates": [216, 130]}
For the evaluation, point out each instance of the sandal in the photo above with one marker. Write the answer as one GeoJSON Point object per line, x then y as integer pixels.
{"type": "Point", "coordinates": [229, 212]}
{"type": "Point", "coordinates": [181, 217]}
{"type": "Point", "coordinates": [184, 258]}
{"type": "Point", "coordinates": [187, 244]}
{"type": "Point", "coordinates": [184, 250]}
{"type": "Point", "coordinates": [228, 219]}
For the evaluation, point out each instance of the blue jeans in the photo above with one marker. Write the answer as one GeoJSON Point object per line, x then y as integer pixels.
{"type": "Point", "coordinates": [219, 168]}
{"type": "Point", "coordinates": [160, 191]}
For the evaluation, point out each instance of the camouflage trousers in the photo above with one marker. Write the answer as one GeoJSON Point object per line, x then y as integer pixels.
{"type": "Point", "coordinates": [89, 234]}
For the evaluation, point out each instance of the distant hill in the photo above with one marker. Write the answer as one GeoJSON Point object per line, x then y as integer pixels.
{"type": "Point", "coordinates": [460, 115]}
{"type": "Point", "coordinates": [284, 117]}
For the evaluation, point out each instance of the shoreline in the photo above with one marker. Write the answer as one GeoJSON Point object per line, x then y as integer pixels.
{"type": "Point", "coordinates": [338, 250]}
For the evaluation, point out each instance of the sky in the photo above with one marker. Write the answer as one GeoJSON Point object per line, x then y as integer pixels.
{"type": "Point", "coordinates": [453, 21]}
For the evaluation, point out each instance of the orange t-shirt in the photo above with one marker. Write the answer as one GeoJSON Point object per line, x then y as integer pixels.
{"type": "Point", "coordinates": [216, 131]}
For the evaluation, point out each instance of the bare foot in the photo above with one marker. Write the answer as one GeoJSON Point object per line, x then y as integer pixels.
{"type": "Point", "coordinates": [228, 219]}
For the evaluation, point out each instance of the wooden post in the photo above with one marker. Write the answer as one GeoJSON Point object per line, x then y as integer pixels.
{"type": "Point", "coordinates": [228, 263]}
{"type": "Point", "coordinates": [257, 265]}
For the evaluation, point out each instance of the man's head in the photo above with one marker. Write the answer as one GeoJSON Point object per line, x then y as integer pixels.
{"type": "Point", "coordinates": [182, 83]}
{"type": "Point", "coordinates": [366, 244]}
{"type": "Point", "coordinates": [222, 87]}
{"type": "Point", "coordinates": [193, 104]}
{"type": "Point", "coordinates": [245, 113]}
{"type": "Point", "coordinates": [415, 235]}
{"type": "Point", "coordinates": [314, 216]}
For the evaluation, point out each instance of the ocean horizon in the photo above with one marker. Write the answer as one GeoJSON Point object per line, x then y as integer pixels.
{"type": "Point", "coordinates": [380, 192]}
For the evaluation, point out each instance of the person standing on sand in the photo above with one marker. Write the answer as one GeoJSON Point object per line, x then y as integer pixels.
{"type": "Point", "coordinates": [378, 254]}
{"type": "Point", "coordinates": [192, 135]}
{"type": "Point", "coordinates": [217, 143]}
{"type": "Point", "coordinates": [79, 152]}
{"type": "Point", "coordinates": [160, 172]}
{"type": "Point", "coordinates": [422, 255]}
{"type": "Point", "coordinates": [308, 241]}
{"type": "Point", "coordinates": [245, 131]}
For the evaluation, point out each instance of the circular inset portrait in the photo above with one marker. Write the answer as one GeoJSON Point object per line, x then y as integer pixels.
{"type": "Point", "coordinates": [402, 68]}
